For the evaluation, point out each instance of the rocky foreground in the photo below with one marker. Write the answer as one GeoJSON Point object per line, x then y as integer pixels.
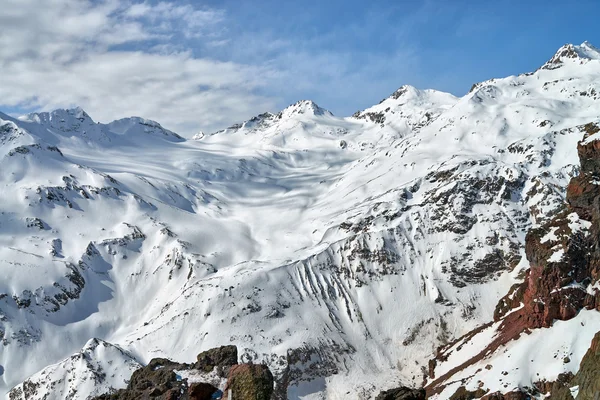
{"type": "Point", "coordinates": [168, 380]}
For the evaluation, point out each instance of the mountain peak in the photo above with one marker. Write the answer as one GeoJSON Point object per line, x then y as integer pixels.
{"type": "Point", "coordinates": [58, 116]}
{"type": "Point", "coordinates": [405, 91]}
{"type": "Point", "coordinates": [306, 107]}
{"type": "Point", "coordinates": [583, 52]}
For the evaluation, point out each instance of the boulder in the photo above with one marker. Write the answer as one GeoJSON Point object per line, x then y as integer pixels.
{"type": "Point", "coordinates": [402, 393]}
{"type": "Point", "coordinates": [201, 391]}
{"type": "Point", "coordinates": [224, 356]}
{"type": "Point", "coordinates": [250, 382]}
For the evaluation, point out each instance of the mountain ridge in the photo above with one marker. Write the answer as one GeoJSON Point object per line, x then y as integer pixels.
{"type": "Point", "coordinates": [339, 251]}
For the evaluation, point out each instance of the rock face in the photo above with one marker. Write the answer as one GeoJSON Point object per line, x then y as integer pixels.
{"type": "Point", "coordinates": [564, 258]}
{"type": "Point", "coordinates": [402, 393]}
{"type": "Point", "coordinates": [250, 382]}
{"type": "Point", "coordinates": [561, 252]}
{"type": "Point", "coordinates": [224, 356]}
{"type": "Point", "coordinates": [588, 377]}
{"type": "Point", "coordinates": [516, 395]}
{"type": "Point", "coordinates": [587, 380]}
{"type": "Point", "coordinates": [201, 391]}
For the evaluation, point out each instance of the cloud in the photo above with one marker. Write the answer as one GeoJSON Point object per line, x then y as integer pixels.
{"type": "Point", "coordinates": [170, 17]}
{"type": "Point", "coordinates": [119, 59]}
{"type": "Point", "coordinates": [193, 67]}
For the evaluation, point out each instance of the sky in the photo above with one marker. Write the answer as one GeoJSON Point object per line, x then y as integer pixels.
{"type": "Point", "coordinates": [204, 65]}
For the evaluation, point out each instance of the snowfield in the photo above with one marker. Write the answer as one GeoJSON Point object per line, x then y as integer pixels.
{"type": "Point", "coordinates": [340, 250]}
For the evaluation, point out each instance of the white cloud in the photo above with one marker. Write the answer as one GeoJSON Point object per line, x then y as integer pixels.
{"type": "Point", "coordinates": [167, 16]}
{"type": "Point", "coordinates": [61, 53]}
{"type": "Point", "coordinates": [118, 58]}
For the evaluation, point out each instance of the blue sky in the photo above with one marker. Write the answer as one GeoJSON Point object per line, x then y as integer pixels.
{"type": "Point", "coordinates": [447, 45]}
{"type": "Point", "coordinates": [202, 65]}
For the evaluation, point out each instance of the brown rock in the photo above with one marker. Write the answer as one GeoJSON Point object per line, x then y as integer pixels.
{"type": "Point", "coordinates": [201, 391]}
{"type": "Point", "coordinates": [224, 356]}
{"type": "Point", "coordinates": [463, 394]}
{"type": "Point", "coordinates": [250, 382]}
{"type": "Point", "coordinates": [516, 395]}
{"type": "Point", "coordinates": [402, 393]}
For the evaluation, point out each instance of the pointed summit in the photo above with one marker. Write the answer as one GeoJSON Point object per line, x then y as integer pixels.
{"type": "Point", "coordinates": [406, 91]}
{"type": "Point", "coordinates": [582, 53]}
{"type": "Point", "coordinates": [303, 107]}
{"type": "Point", "coordinates": [408, 105]}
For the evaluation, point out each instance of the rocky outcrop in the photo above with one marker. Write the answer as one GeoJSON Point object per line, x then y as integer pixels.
{"type": "Point", "coordinates": [250, 382]}
{"type": "Point", "coordinates": [167, 380]}
{"type": "Point", "coordinates": [564, 258]}
{"type": "Point", "coordinates": [516, 395]}
{"type": "Point", "coordinates": [201, 391]}
{"type": "Point", "coordinates": [463, 394]}
{"type": "Point", "coordinates": [402, 393]}
{"type": "Point", "coordinates": [224, 356]}
{"type": "Point", "coordinates": [585, 385]}
{"type": "Point", "coordinates": [157, 380]}
{"type": "Point", "coordinates": [587, 380]}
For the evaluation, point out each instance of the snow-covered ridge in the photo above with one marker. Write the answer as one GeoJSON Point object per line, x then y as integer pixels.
{"type": "Point", "coordinates": [298, 111]}
{"type": "Point", "coordinates": [98, 368]}
{"type": "Point", "coordinates": [340, 251]}
{"type": "Point", "coordinates": [77, 123]}
{"type": "Point", "coordinates": [303, 107]}
{"type": "Point", "coordinates": [573, 53]}
{"type": "Point", "coordinates": [409, 106]}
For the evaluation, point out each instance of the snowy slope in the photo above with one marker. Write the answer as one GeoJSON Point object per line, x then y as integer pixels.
{"type": "Point", "coordinates": [99, 367]}
{"type": "Point", "coordinates": [541, 355]}
{"type": "Point", "coordinates": [342, 251]}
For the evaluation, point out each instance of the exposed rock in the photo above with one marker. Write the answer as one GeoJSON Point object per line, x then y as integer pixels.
{"type": "Point", "coordinates": [588, 376]}
{"type": "Point", "coordinates": [167, 380]}
{"type": "Point", "coordinates": [558, 389]}
{"type": "Point", "coordinates": [516, 395]}
{"type": "Point", "coordinates": [224, 356]}
{"type": "Point", "coordinates": [157, 380]}
{"type": "Point", "coordinates": [201, 391]}
{"type": "Point", "coordinates": [564, 259]}
{"type": "Point", "coordinates": [463, 394]}
{"type": "Point", "coordinates": [250, 382]}
{"type": "Point", "coordinates": [402, 393]}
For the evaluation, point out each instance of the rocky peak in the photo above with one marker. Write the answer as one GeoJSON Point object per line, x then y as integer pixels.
{"type": "Point", "coordinates": [265, 120]}
{"type": "Point", "coordinates": [417, 108]}
{"type": "Point", "coordinates": [260, 121]}
{"type": "Point", "coordinates": [303, 107]}
{"type": "Point", "coordinates": [406, 91]}
{"type": "Point", "coordinates": [582, 53]}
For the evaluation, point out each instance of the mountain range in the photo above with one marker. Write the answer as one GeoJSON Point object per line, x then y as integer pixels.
{"type": "Point", "coordinates": [399, 246]}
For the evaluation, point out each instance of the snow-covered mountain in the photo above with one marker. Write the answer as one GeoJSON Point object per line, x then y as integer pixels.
{"type": "Point", "coordinates": [340, 251]}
